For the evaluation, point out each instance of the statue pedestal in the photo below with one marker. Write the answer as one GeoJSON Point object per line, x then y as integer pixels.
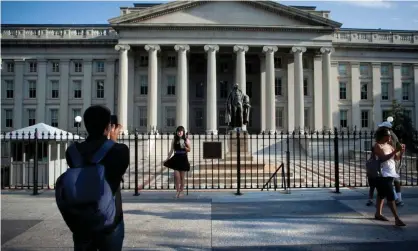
{"type": "Point", "coordinates": [232, 146]}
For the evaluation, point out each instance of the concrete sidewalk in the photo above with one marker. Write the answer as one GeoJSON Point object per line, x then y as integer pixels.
{"type": "Point", "coordinates": [306, 219]}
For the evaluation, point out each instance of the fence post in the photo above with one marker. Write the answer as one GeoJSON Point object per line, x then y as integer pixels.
{"type": "Point", "coordinates": [288, 162]}
{"type": "Point", "coordinates": [35, 165]}
{"type": "Point", "coordinates": [136, 164]}
{"type": "Point", "coordinates": [238, 164]}
{"type": "Point", "coordinates": [337, 162]}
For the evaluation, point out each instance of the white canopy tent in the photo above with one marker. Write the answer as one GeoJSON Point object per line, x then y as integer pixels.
{"type": "Point", "coordinates": [43, 131]}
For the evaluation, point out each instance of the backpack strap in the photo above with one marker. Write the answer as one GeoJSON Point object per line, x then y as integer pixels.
{"type": "Point", "coordinates": [76, 158]}
{"type": "Point", "coordinates": [103, 150]}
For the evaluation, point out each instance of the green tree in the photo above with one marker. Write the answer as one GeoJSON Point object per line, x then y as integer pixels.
{"type": "Point", "coordinates": [403, 127]}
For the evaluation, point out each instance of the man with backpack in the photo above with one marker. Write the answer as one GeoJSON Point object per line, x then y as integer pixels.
{"type": "Point", "coordinates": [88, 193]}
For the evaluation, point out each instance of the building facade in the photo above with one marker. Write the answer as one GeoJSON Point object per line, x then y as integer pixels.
{"type": "Point", "coordinates": [162, 65]}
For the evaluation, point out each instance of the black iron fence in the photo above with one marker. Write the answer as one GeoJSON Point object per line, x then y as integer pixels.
{"type": "Point", "coordinates": [247, 161]}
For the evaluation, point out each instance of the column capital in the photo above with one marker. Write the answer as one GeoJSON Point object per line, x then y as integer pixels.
{"type": "Point", "coordinates": [240, 48]}
{"type": "Point", "coordinates": [396, 64]}
{"type": "Point", "coordinates": [376, 64]}
{"type": "Point", "coordinates": [297, 49]}
{"type": "Point", "coordinates": [270, 49]}
{"type": "Point", "coordinates": [181, 47]}
{"type": "Point", "coordinates": [152, 47]}
{"type": "Point", "coordinates": [122, 47]}
{"type": "Point", "coordinates": [327, 50]}
{"type": "Point", "coordinates": [211, 47]}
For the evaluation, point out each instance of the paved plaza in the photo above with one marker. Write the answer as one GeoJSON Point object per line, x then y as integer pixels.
{"type": "Point", "coordinates": [305, 219]}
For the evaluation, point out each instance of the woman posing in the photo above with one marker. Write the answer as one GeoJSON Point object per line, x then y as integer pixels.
{"type": "Point", "coordinates": [384, 151]}
{"type": "Point", "coordinates": [179, 162]}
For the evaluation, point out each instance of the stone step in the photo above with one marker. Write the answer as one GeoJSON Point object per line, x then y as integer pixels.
{"type": "Point", "coordinates": [232, 173]}
{"type": "Point", "coordinates": [243, 156]}
{"type": "Point", "coordinates": [233, 181]}
{"type": "Point", "coordinates": [232, 165]}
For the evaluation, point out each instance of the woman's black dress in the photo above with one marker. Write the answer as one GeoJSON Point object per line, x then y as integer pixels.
{"type": "Point", "coordinates": [179, 161]}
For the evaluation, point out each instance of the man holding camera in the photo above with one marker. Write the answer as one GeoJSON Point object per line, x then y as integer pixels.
{"type": "Point", "coordinates": [114, 161]}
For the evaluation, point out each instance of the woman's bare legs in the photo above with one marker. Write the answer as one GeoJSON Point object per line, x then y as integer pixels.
{"type": "Point", "coordinates": [181, 181]}
{"type": "Point", "coordinates": [177, 180]}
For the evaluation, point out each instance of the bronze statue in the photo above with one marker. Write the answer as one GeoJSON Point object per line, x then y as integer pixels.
{"type": "Point", "coordinates": [237, 108]}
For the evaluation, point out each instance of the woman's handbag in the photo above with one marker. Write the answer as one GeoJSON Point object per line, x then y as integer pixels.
{"type": "Point", "coordinates": [373, 166]}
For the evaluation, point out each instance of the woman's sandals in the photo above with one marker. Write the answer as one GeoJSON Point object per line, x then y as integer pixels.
{"type": "Point", "coordinates": [398, 222]}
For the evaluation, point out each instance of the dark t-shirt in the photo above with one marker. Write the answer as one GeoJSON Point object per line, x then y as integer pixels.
{"type": "Point", "coordinates": [115, 163]}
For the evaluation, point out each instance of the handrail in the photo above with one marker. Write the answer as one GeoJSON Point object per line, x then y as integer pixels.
{"type": "Point", "coordinates": [275, 174]}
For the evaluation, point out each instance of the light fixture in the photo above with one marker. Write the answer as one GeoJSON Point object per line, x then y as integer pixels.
{"type": "Point", "coordinates": [78, 119]}
{"type": "Point", "coordinates": [389, 119]}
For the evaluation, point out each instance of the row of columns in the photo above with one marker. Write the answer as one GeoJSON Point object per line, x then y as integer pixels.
{"type": "Point", "coordinates": [268, 115]}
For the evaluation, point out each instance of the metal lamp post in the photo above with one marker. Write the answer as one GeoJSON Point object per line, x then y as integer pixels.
{"type": "Point", "coordinates": [78, 121]}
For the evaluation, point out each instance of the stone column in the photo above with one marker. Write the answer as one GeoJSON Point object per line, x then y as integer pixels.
{"type": "Point", "coordinates": [355, 95]}
{"type": "Point", "coordinates": [416, 94]}
{"type": "Point", "coordinates": [270, 94]}
{"type": "Point", "coordinates": [123, 85]}
{"type": "Point", "coordinates": [211, 102]}
{"type": "Point", "coordinates": [18, 93]}
{"type": "Point", "coordinates": [87, 84]}
{"type": "Point", "coordinates": [152, 87]}
{"type": "Point", "coordinates": [397, 83]}
{"type": "Point", "coordinates": [327, 85]}
{"type": "Point", "coordinates": [240, 74]}
{"type": "Point", "coordinates": [262, 94]}
{"type": "Point", "coordinates": [290, 94]}
{"type": "Point", "coordinates": [64, 94]}
{"type": "Point", "coordinates": [319, 118]}
{"type": "Point", "coordinates": [377, 95]}
{"type": "Point", "coordinates": [41, 93]}
{"type": "Point", "coordinates": [181, 92]}
{"type": "Point", "coordinates": [299, 98]}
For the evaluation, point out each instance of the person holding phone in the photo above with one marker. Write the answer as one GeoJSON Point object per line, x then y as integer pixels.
{"type": "Point", "coordinates": [179, 162]}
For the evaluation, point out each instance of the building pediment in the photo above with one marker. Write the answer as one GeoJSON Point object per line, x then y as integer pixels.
{"type": "Point", "coordinates": [225, 13]}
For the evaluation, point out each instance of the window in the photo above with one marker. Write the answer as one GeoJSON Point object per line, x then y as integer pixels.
{"type": "Point", "coordinates": [365, 119]}
{"type": "Point", "coordinates": [405, 91]}
{"type": "Point", "coordinates": [170, 117]}
{"type": "Point", "coordinates": [143, 61]}
{"type": "Point", "coordinates": [77, 88]}
{"type": "Point", "coordinates": [31, 117]}
{"type": "Point", "coordinates": [198, 117]}
{"type": "Point", "coordinates": [248, 67]}
{"type": "Point", "coordinates": [249, 89]}
{"type": "Point", "coordinates": [9, 118]}
{"type": "Point", "coordinates": [100, 66]}
{"type": "Point", "coordinates": [342, 69]}
{"type": "Point", "coordinates": [143, 84]}
{"type": "Point", "coordinates": [277, 63]}
{"type": "Point", "coordinates": [9, 88]}
{"type": "Point", "coordinates": [76, 112]}
{"type": "Point", "coordinates": [223, 89]}
{"type": "Point", "coordinates": [385, 115]}
{"type": "Point", "coordinates": [224, 67]}
{"type": "Point", "coordinates": [221, 117]}
{"type": "Point", "coordinates": [385, 70]}
{"type": "Point", "coordinates": [55, 89]}
{"type": "Point", "coordinates": [171, 62]}
{"type": "Point", "coordinates": [10, 67]}
{"type": "Point", "coordinates": [305, 63]}
{"type": "Point", "coordinates": [306, 118]}
{"type": "Point", "coordinates": [343, 119]}
{"type": "Point", "coordinates": [79, 32]}
{"type": "Point", "coordinates": [54, 117]}
{"type": "Point", "coordinates": [78, 67]}
{"type": "Point", "coordinates": [364, 92]}
{"type": "Point", "coordinates": [364, 69]}
{"type": "Point", "coordinates": [406, 70]}
{"type": "Point", "coordinates": [199, 90]}
{"type": "Point", "coordinates": [278, 87]}
{"type": "Point", "coordinates": [100, 89]}
{"type": "Point", "coordinates": [32, 88]}
{"type": "Point", "coordinates": [55, 66]}
{"type": "Point", "coordinates": [305, 87]}
{"type": "Point", "coordinates": [143, 116]}
{"type": "Point", "coordinates": [343, 90]}
{"type": "Point", "coordinates": [385, 91]}
{"type": "Point", "coordinates": [279, 117]}
{"type": "Point", "coordinates": [171, 85]}
{"type": "Point", "coordinates": [33, 66]}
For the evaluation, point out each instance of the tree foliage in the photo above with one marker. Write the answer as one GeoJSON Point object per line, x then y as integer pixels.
{"type": "Point", "coordinates": [403, 127]}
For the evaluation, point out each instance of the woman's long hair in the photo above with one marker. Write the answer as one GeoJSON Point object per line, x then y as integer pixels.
{"type": "Point", "coordinates": [176, 137]}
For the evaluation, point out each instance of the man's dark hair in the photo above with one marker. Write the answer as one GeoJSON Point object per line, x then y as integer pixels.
{"type": "Point", "coordinates": [96, 119]}
{"type": "Point", "coordinates": [381, 133]}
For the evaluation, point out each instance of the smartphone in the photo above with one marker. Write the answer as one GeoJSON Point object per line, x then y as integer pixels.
{"type": "Point", "coordinates": [114, 120]}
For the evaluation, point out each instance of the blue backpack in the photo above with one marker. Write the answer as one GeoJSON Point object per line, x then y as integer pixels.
{"type": "Point", "coordinates": [83, 195]}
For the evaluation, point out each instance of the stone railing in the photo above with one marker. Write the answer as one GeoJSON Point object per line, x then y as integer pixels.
{"type": "Point", "coordinates": [58, 33]}
{"type": "Point", "coordinates": [376, 37]}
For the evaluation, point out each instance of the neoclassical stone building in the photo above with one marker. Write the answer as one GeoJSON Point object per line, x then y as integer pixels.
{"type": "Point", "coordinates": [162, 65]}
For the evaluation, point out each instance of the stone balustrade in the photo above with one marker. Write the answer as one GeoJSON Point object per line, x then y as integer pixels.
{"type": "Point", "coordinates": [376, 37]}
{"type": "Point", "coordinates": [58, 33]}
